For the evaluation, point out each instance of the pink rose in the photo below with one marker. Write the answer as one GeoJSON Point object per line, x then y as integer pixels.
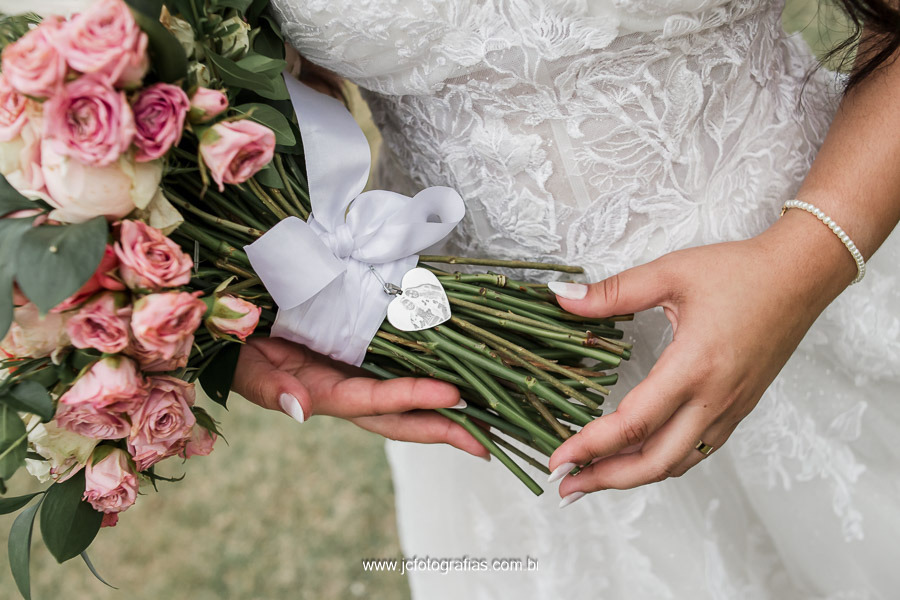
{"type": "Point", "coordinates": [161, 323]}
{"type": "Point", "coordinates": [162, 426]}
{"type": "Point", "coordinates": [32, 64]}
{"type": "Point", "coordinates": [235, 151]}
{"type": "Point", "coordinates": [110, 484]}
{"type": "Point", "coordinates": [159, 114]}
{"type": "Point", "coordinates": [112, 384]}
{"type": "Point", "coordinates": [156, 361]}
{"type": "Point", "coordinates": [149, 259]}
{"type": "Point", "coordinates": [12, 111]}
{"type": "Point", "coordinates": [106, 41]}
{"type": "Point", "coordinates": [104, 278]}
{"type": "Point", "coordinates": [102, 323]}
{"type": "Point", "coordinates": [233, 316]}
{"type": "Point", "coordinates": [89, 121]}
{"type": "Point", "coordinates": [207, 104]}
{"type": "Point", "coordinates": [34, 336]}
{"type": "Point", "coordinates": [88, 421]}
{"type": "Point", "coordinates": [201, 442]}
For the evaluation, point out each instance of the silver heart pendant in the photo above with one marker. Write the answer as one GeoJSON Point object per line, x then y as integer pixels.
{"type": "Point", "coordinates": [422, 303]}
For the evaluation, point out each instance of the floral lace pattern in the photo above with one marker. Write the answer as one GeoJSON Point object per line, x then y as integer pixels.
{"type": "Point", "coordinates": [606, 133]}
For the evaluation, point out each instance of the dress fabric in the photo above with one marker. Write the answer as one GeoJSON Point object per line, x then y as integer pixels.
{"type": "Point", "coordinates": [606, 133]}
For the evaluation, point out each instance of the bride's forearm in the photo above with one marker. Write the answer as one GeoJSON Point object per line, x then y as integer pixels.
{"type": "Point", "coordinates": [855, 179]}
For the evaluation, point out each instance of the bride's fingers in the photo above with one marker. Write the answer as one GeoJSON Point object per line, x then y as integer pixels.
{"type": "Point", "coordinates": [364, 396]}
{"type": "Point", "coordinates": [636, 289]}
{"type": "Point", "coordinates": [658, 458]}
{"type": "Point", "coordinates": [260, 382]}
{"type": "Point", "coordinates": [424, 428]}
{"type": "Point", "coordinates": [715, 436]}
{"type": "Point", "coordinates": [642, 411]}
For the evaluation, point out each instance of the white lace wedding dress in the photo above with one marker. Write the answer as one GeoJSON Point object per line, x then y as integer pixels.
{"type": "Point", "coordinates": [605, 133]}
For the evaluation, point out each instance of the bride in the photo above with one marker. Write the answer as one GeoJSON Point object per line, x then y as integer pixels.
{"type": "Point", "coordinates": [653, 142]}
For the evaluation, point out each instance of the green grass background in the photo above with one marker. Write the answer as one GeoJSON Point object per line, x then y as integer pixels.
{"type": "Point", "coordinates": [284, 512]}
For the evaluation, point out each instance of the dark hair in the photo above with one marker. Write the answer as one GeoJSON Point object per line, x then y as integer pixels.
{"type": "Point", "coordinates": [875, 46]}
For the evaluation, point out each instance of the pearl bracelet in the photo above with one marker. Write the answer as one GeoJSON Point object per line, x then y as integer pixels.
{"type": "Point", "coordinates": [834, 227]}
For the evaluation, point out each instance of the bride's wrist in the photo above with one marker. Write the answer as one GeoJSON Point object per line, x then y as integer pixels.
{"type": "Point", "coordinates": [809, 256]}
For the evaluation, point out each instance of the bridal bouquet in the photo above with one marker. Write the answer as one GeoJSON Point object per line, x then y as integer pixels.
{"type": "Point", "coordinates": [157, 207]}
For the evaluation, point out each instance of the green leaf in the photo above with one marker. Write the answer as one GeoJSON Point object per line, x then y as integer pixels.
{"type": "Point", "coordinates": [233, 75]}
{"type": "Point", "coordinates": [19, 547]}
{"type": "Point", "coordinates": [269, 177]}
{"type": "Point", "coordinates": [259, 63]}
{"type": "Point", "coordinates": [54, 261]}
{"type": "Point", "coordinates": [268, 41]}
{"type": "Point", "coordinates": [90, 565]}
{"type": "Point", "coordinates": [68, 523]}
{"type": "Point", "coordinates": [255, 10]}
{"type": "Point", "coordinates": [11, 200]}
{"type": "Point", "coordinates": [205, 420]}
{"type": "Point", "coordinates": [8, 505]}
{"type": "Point", "coordinates": [11, 232]}
{"type": "Point", "coordinates": [241, 5]}
{"type": "Point", "coordinates": [166, 54]}
{"type": "Point", "coordinates": [271, 118]}
{"type": "Point", "coordinates": [216, 378]}
{"type": "Point", "coordinates": [31, 397]}
{"type": "Point", "coordinates": [13, 444]}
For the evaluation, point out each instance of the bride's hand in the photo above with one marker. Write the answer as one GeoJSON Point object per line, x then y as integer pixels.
{"type": "Point", "coordinates": [738, 311]}
{"type": "Point", "coordinates": [287, 377]}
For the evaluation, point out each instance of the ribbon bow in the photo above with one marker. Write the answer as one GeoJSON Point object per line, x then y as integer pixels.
{"type": "Point", "coordinates": [320, 272]}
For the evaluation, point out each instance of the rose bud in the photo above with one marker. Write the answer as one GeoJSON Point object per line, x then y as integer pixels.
{"type": "Point", "coordinates": [102, 323]}
{"type": "Point", "coordinates": [112, 384]}
{"type": "Point", "coordinates": [105, 41]}
{"type": "Point", "coordinates": [150, 260]}
{"type": "Point", "coordinates": [32, 64]}
{"type": "Point", "coordinates": [233, 316]}
{"type": "Point", "coordinates": [207, 104]}
{"type": "Point", "coordinates": [161, 323]}
{"type": "Point", "coordinates": [159, 114]}
{"type": "Point", "coordinates": [163, 425]}
{"type": "Point", "coordinates": [235, 151]}
{"type": "Point", "coordinates": [158, 361]}
{"type": "Point", "coordinates": [110, 483]}
{"type": "Point", "coordinates": [201, 442]}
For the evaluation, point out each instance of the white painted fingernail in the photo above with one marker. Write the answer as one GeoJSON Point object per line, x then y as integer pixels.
{"type": "Point", "coordinates": [290, 405]}
{"type": "Point", "coordinates": [571, 291]}
{"type": "Point", "coordinates": [573, 497]}
{"type": "Point", "coordinates": [560, 472]}
{"type": "Point", "coordinates": [459, 405]}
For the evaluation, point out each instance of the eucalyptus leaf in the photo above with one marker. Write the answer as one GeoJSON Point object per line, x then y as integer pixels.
{"type": "Point", "coordinates": [11, 232]}
{"type": "Point", "coordinates": [31, 397]}
{"type": "Point", "coordinates": [68, 523]}
{"type": "Point", "coordinates": [216, 378]}
{"type": "Point", "coordinates": [54, 261]}
{"type": "Point", "coordinates": [271, 118]}
{"type": "Point", "coordinates": [11, 200]}
{"type": "Point", "coordinates": [9, 505]}
{"type": "Point", "coordinates": [13, 445]}
{"type": "Point", "coordinates": [19, 547]}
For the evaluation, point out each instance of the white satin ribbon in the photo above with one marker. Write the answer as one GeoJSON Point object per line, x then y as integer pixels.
{"type": "Point", "coordinates": [319, 272]}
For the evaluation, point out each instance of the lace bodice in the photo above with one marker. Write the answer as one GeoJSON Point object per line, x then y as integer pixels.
{"type": "Point", "coordinates": [606, 133]}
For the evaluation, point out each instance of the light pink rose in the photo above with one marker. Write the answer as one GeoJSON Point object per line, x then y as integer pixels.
{"type": "Point", "coordinates": [106, 41]}
{"type": "Point", "coordinates": [88, 421]}
{"type": "Point", "coordinates": [235, 151]}
{"type": "Point", "coordinates": [156, 361]}
{"type": "Point", "coordinates": [233, 316]}
{"type": "Point", "coordinates": [149, 259]}
{"type": "Point", "coordinates": [159, 113]}
{"type": "Point", "coordinates": [207, 104]}
{"type": "Point", "coordinates": [162, 426]}
{"type": "Point", "coordinates": [13, 115]}
{"type": "Point", "coordinates": [161, 323]}
{"type": "Point", "coordinates": [80, 192]}
{"type": "Point", "coordinates": [102, 323]}
{"type": "Point", "coordinates": [110, 485]}
{"type": "Point", "coordinates": [104, 278]}
{"type": "Point", "coordinates": [21, 161]}
{"type": "Point", "coordinates": [201, 442]}
{"type": "Point", "coordinates": [112, 384]}
{"type": "Point", "coordinates": [33, 64]}
{"type": "Point", "coordinates": [34, 336]}
{"type": "Point", "coordinates": [89, 121]}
